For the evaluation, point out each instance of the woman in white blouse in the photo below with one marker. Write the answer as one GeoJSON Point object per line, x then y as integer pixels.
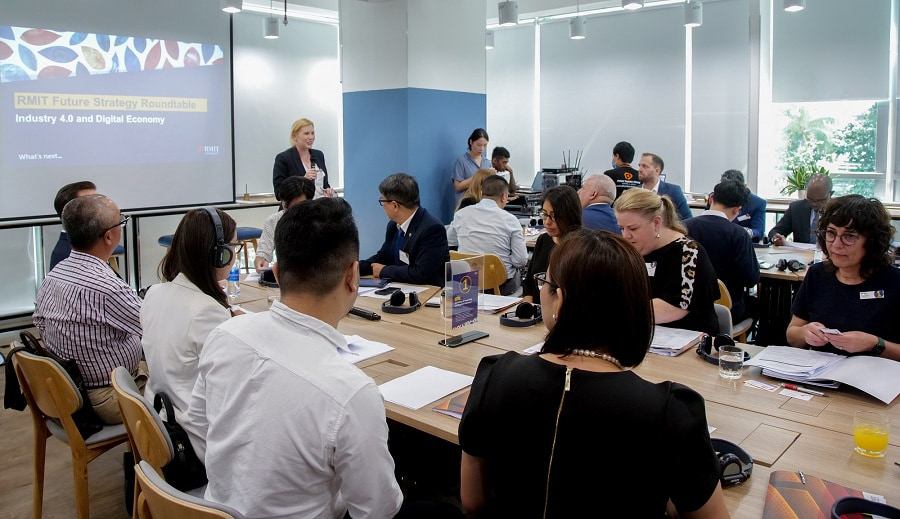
{"type": "Point", "coordinates": [176, 316]}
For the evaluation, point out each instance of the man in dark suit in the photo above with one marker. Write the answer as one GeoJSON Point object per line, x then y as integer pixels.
{"type": "Point", "coordinates": [66, 194]}
{"type": "Point", "coordinates": [415, 243]}
{"type": "Point", "coordinates": [753, 214]}
{"type": "Point", "coordinates": [802, 216]}
{"type": "Point", "coordinates": [649, 169]}
{"type": "Point", "coordinates": [596, 196]}
{"type": "Point", "coordinates": [729, 247]}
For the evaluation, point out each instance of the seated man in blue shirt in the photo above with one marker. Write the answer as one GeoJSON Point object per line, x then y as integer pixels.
{"type": "Point", "coordinates": [64, 196]}
{"type": "Point", "coordinates": [415, 243]}
{"type": "Point", "coordinates": [753, 215]}
{"type": "Point", "coordinates": [597, 194]}
{"type": "Point", "coordinates": [728, 245]}
{"type": "Point", "coordinates": [485, 228]}
{"type": "Point", "coordinates": [649, 169]}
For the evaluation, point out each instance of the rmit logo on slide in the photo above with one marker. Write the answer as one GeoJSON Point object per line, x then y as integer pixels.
{"type": "Point", "coordinates": [208, 150]}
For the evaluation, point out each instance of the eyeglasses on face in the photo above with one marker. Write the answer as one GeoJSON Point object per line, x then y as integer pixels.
{"type": "Point", "coordinates": [550, 217]}
{"type": "Point", "coordinates": [382, 201]}
{"type": "Point", "coordinates": [541, 278]}
{"type": "Point", "coordinates": [121, 223]}
{"type": "Point", "coordinates": [236, 247]}
{"type": "Point", "coordinates": [848, 238]}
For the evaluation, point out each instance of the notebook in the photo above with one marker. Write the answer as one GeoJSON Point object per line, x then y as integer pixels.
{"type": "Point", "coordinates": [789, 497]}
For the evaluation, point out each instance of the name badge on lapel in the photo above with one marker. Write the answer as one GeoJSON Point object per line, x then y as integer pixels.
{"type": "Point", "coordinates": [651, 268]}
{"type": "Point", "coordinates": [872, 294]}
{"type": "Point", "coordinates": [743, 217]}
{"type": "Point", "coordinates": [404, 257]}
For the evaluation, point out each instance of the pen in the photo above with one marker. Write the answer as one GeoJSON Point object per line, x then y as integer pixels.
{"type": "Point", "coordinates": [802, 477]}
{"type": "Point", "coordinates": [804, 390]}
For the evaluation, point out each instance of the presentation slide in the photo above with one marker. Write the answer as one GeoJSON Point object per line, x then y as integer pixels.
{"type": "Point", "coordinates": [147, 120]}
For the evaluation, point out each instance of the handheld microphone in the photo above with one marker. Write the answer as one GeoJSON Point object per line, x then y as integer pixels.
{"type": "Point", "coordinates": [365, 314]}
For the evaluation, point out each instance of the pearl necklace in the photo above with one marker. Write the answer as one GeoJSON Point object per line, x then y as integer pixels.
{"type": "Point", "coordinates": [608, 358]}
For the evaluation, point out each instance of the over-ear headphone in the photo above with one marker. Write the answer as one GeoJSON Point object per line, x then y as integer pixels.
{"type": "Point", "coordinates": [526, 314]}
{"type": "Point", "coordinates": [536, 222]}
{"type": "Point", "coordinates": [735, 464]}
{"type": "Point", "coordinates": [707, 343]}
{"type": "Point", "coordinates": [221, 254]}
{"type": "Point", "coordinates": [791, 264]}
{"type": "Point", "coordinates": [395, 304]}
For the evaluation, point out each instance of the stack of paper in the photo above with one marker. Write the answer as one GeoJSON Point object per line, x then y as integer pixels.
{"type": "Point", "coordinates": [875, 375]}
{"type": "Point", "coordinates": [423, 386]}
{"type": "Point", "coordinates": [362, 349]}
{"type": "Point", "coordinates": [673, 341]}
{"type": "Point", "coordinates": [491, 304]}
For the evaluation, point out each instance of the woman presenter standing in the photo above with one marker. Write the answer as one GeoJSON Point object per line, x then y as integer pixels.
{"type": "Point", "coordinates": [470, 162]}
{"type": "Point", "coordinates": [302, 160]}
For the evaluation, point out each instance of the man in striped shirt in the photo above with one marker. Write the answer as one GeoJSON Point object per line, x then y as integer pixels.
{"type": "Point", "coordinates": [84, 311]}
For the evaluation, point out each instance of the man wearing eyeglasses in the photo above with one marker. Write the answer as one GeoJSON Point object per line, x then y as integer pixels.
{"type": "Point", "coordinates": [84, 311]}
{"type": "Point", "coordinates": [802, 216]}
{"type": "Point", "coordinates": [415, 243]}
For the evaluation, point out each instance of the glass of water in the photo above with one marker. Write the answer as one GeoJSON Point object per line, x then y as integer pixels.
{"type": "Point", "coordinates": [731, 362]}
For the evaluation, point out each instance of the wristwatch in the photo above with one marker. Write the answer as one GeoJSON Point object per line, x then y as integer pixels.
{"type": "Point", "coordinates": [878, 349]}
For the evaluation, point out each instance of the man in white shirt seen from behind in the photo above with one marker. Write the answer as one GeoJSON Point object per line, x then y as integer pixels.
{"type": "Point", "coordinates": [485, 228]}
{"type": "Point", "coordinates": [286, 427]}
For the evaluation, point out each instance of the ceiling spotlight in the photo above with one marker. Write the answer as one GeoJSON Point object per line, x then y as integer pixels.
{"type": "Point", "coordinates": [509, 13]}
{"type": "Point", "coordinates": [693, 14]}
{"type": "Point", "coordinates": [631, 5]}
{"type": "Point", "coordinates": [271, 30]}
{"type": "Point", "coordinates": [577, 28]}
{"type": "Point", "coordinates": [489, 40]}
{"type": "Point", "coordinates": [232, 6]}
{"type": "Point", "coordinates": [792, 6]}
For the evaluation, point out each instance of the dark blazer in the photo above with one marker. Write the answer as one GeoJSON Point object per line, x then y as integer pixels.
{"type": "Point", "coordinates": [677, 195]}
{"type": "Point", "coordinates": [602, 217]}
{"type": "Point", "coordinates": [731, 253]}
{"type": "Point", "coordinates": [795, 221]}
{"type": "Point", "coordinates": [753, 216]}
{"type": "Point", "coordinates": [426, 244]}
{"type": "Point", "coordinates": [61, 251]}
{"type": "Point", "coordinates": [288, 164]}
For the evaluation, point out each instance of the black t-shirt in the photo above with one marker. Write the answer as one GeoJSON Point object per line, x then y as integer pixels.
{"type": "Point", "coordinates": [540, 260]}
{"type": "Point", "coordinates": [872, 306]}
{"type": "Point", "coordinates": [681, 275]}
{"type": "Point", "coordinates": [625, 177]}
{"type": "Point", "coordinates": [624, 446]}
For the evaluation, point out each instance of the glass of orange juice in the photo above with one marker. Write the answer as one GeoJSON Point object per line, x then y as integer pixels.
{"type": "Point", "coordinates": [870, 433]}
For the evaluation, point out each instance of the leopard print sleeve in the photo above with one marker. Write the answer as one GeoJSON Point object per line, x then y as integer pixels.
{"type": "Point", "coordinates": [690, 253]}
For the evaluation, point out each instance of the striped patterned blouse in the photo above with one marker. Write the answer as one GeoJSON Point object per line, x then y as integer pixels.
{"type": "Point", "coordinates": [85, 312]}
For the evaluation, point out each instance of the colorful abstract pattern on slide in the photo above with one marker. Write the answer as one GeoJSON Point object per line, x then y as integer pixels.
{"type": "Point", "coordinates": [39, 53]}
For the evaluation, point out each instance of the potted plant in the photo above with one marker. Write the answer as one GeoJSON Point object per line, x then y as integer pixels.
{"type": "Point", "coordinates": [799, 177]}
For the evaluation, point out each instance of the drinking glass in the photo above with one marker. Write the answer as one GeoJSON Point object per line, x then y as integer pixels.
{"type": "Point", "coordinates": [731, 362]}
{"type": "Point", "coordinates": [870, 433]}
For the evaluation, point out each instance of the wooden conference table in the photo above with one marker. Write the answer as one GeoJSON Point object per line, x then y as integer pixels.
{"type": "Point", "coordinates": [780, 433]}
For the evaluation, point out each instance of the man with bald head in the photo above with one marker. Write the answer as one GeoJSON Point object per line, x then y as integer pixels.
{"type": "Point", "coordinates": [597, 194]}
{"type": "Point", "coordinates": [802, 216]}
{"type": "Point", "coordinates": [84, 311]}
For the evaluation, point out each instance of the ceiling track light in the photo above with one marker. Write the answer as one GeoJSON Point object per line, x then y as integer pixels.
{"type": "Point", "coordinates": [489, 40]}
{"type": "Point", "coordinates": [631, 5]}
{"type": "Point", "coordinates": [792, 6]}
{"type": "Point", "coordinates": [232, 6]}
{"type": "Point", "coordinates": [577, 28]}
{"type": "Point", "coordinates": [509, 13]}
{"type": "Point", "coordinates": [693, 14]}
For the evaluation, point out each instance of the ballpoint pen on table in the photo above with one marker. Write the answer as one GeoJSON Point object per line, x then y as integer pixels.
{"type": "Point", "coordinates": [804, 390]}
{"type": "Point", "coordinates": [802, 477]}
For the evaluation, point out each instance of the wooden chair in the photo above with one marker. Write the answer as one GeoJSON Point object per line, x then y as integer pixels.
{"type": "Point", "coordinates": [159, 500]}
{"type": "Point", "coordinates": [51, 395]}
{"type": "Point", "coordinates": [493, 274]}
{"type": "Point", "coordinates": [741, 329]}
{"type": "Point", "coordinates": [146, 433]}
{"type": "Point", "coordinates": [723, 314]}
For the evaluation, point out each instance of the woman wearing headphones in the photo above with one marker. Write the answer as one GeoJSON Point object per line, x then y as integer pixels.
{"type": "Point", "coordinates": [176, 316]}
{"type": "Point", "coordinates": [683, 282]}
{"type": "Point", "coordinates": [602, 441]}
{"type": "Point", "coordinates": [856, 290]}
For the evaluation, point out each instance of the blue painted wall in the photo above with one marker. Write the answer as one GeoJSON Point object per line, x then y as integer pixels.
{"type": "Point", "coordinates": [411, 130]}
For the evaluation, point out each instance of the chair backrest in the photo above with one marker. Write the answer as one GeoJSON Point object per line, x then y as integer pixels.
{"type": "Point", "coordinates": [723, 314]}
{"type": "Point", "coordinates": [494, 272]}
{"type": "Point", "coordinates": [149, 439]}
{"type": "Point", "coordinates": [724, 296]}
{"type": "Point", "coordinates": [48, 389]}
{"type": "Point", "coordinates": [160, 500]}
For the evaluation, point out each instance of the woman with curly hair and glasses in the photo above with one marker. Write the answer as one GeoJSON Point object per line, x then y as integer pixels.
{"type": "Point", "coordinates": [856, 290]}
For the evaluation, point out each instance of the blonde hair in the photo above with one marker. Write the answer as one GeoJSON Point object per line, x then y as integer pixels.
{"type": "Point", "coordinates": [299, 123]}
{"type": "Point", "coordinates": [474, 190]}
{"type": "Point", "coordinates": [650, 205]}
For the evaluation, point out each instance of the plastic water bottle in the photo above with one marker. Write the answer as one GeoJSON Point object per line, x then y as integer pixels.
{"type": "Point", "coordinates": [233, 286]}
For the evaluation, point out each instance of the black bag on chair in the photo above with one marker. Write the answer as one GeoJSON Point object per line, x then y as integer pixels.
{"type": "Point", "coordinates": [185, 471]}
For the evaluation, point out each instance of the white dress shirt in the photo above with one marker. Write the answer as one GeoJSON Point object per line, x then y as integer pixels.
{"type": "Point", "coordinates": [176, 318]}
{"type": "Point", "coordinates": [484, 228]}
{"type": "Point", "coordinates": [286, 426]}
{"type": "Point", "coordinates": [266, 249]}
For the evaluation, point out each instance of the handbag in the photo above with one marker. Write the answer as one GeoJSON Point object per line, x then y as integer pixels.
{"type": "Point", "coordinates": [185, 471]}
{"type": "Point", "coordinates": [85, 418]}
